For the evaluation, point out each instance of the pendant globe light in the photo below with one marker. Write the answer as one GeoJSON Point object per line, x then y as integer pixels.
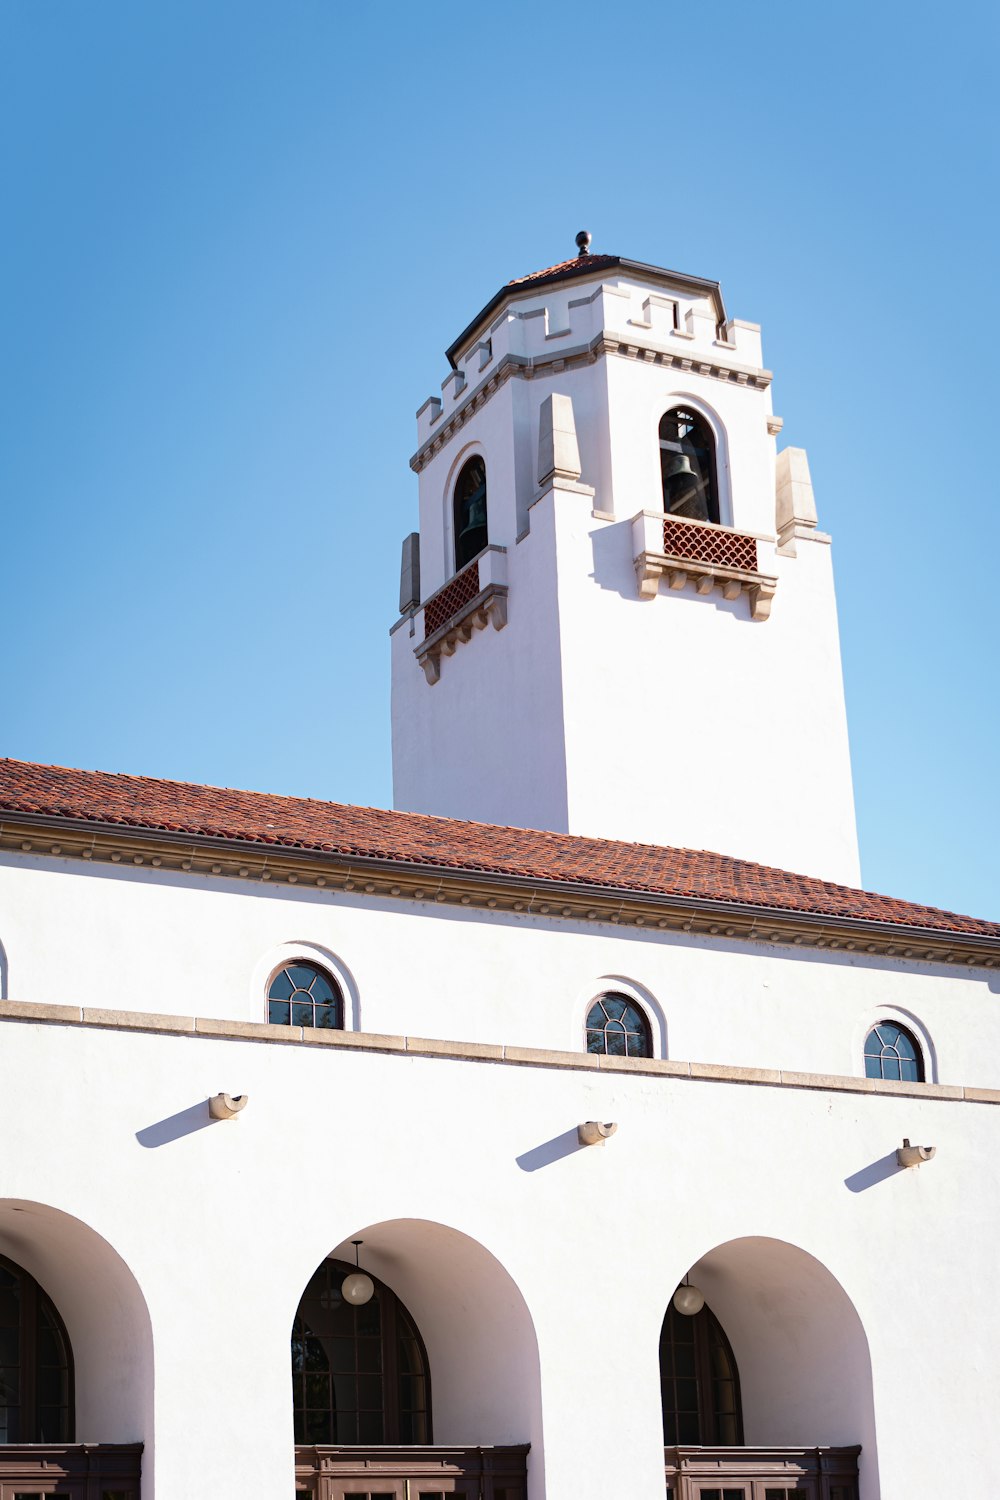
{"type": "Point", "coordinates": [357, 1288]}
{"type": "Point", "coordinates": [688, 1300]}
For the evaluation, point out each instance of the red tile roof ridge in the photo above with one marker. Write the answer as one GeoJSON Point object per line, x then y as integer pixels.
{"type": "Point", "coordinates": [199, 810]}
{"type": "Point", "coordinates": [583, 262]}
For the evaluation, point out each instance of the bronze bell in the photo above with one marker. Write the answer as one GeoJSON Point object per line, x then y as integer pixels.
{"type": "Point", "coordinates": [681, 484]}
{"type": "Point", "coordinates": [476, 518]}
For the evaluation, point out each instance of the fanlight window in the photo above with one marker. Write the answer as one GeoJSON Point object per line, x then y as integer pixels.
{"type": "Point", "coordinates": [36, 1363]}
{"type": "Point", "coordinates": [618, 1027]}
{"type": "Point", "coordinates": [891, 1052]}
{"type": "Point", "coordinates": [302, 994]}
{"type": "Point", "coordinates": [470, 512]}
{"type": "Point", "coordinates": [699, 1382]}
{"type": "Point", "coordinates": [687, 466]}
{"type": "Point", "coordinates": [359, 1374]}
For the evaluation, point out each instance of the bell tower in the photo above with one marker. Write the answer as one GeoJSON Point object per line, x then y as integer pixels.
{"type": "Point", "coordinates": [618, 618]}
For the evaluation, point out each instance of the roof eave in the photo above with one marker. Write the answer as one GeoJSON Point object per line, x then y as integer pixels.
{"type": "Point", "coordinates": [814, 926]}
{"type": "Point", "coordinates": [512, 291]}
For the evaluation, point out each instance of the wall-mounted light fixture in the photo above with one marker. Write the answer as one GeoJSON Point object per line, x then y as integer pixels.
{"type": "Point", "coordinates": [225, 1106]}
{"type": "Point", "coordinates": [688, 1299]}
{"type": "Point", "coordinates": [357, 1288]}
{"type": "Point", "coordinates": [593, 1133]}
{"type": "Point", "coordinates": [912, 1156]}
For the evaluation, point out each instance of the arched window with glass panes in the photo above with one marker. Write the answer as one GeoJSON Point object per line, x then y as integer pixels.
{"type": "Point", "coordinates": [359, 1372]}
{"type": "Point", "coordinates": [36, 1363]}
{"type": "Point", "coordinates": [699, 1382]}
{"type": "Point", "coordinates": [303, 994]}
{"type": "Point", "coordinates": [892, 1052]}
{"type": "Point", "coordinates": [617, 1027]}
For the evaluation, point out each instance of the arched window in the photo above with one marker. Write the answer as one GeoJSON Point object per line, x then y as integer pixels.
{"type": "Point", "coordinates": [36, 1363]}
{"type": "Point", "coordinates": [891, 1052]}
{"type": "Point", "coordinates": [359, 1374]}
{"type": "Point", "coordinates": [699, 1382]}
{"type": "Point", "coordinates": [618, 1027]}
{"type": "Point", "coordinates": [687, 466]}
{"type": "Point", "coordinates": [303, 994]}
{"type": "Point", "coordinates": [470, 512]}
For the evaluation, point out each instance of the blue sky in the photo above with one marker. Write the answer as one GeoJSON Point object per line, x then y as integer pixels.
{"type": "Point", "coordinates": [238, 238]}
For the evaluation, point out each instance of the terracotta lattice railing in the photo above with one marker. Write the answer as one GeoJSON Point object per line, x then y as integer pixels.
{"type": "Point", "coordinates": [459, 591]}
{"type": "Point", "coordinates": [474, 598]}
{"type": "Point", "coordinates": [709, 544]}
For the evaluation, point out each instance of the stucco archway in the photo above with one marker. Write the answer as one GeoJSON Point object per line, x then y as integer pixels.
{"type": "Point", "coordinates": [475, 1326]}
{"type": "Point", "coordinates": [105, 1315]}
{"type": "Point", "coordinates": [802, 1352]}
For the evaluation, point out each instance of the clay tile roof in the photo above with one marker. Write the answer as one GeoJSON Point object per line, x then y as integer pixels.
{"type": "Point", "coordinates": [580, 265]}
{"type": "Point", "coordinates": [445, 844]}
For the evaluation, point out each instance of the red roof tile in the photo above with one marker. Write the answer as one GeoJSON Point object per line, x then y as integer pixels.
{"type": "Point", "coordinates": [580, 265]}
{"type": "Point", "coordinates": [142, 802]}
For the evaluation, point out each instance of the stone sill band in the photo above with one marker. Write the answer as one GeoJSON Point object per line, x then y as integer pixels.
{"type": "Point", "coordinates": [530, 1057]}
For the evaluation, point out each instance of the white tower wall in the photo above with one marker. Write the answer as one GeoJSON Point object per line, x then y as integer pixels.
{"type": "Point", "coordinates": [681, 712]}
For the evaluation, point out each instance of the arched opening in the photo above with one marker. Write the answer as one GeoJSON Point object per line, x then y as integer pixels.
{"type": "Point", "coordinates": [70, 1305]}
{"type": "Point", "coordinates": [443, 1312]}
{"type": "Point", "coordinates": [892, 1052]}
{"type": "Point", "coordinates": [359, 1372]}
{"type": "Point", "coordinates": [793, 1378]}
{"type": "Point", "coordinates": [471, 527]}
{"type": "Point", "coordinates": [699, 1380]}
{"type": "Point", "coordinates": [687, 465]}
{"type": "Point", "coordinates": [617, 1026]}
{"type": "Point", "coordinates": [302, 993]}
{"type": "Point", "coordinates": [36, 1362]}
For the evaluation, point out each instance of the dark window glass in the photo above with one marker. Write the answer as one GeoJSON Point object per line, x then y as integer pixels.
{"type": "Point", "coordinates": [687, 466]}
{"type": "Point", "coordinates": [699, 1382]}
{"type": "Point", "coordinates": [891, 1052]}
{"type": "Point", "coordinates": [359, 1374]}
{"type": "Point", "coordinates": [471, 532]}
{"type": "Point", "coordinates": [617, 1026]}
{"type": "Point", "coordinates": [36, 1364]}
{"type": "Point", "coordinates": [302, 994]}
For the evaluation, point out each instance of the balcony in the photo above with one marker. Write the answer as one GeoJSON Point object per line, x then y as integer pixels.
{"type": "Point", "coordinates": [70, 1471]}
{"type": "Point", "coordinates": [411, 1473]}
{"type": "Point", "coordinates": [700, 552]}
{"type": "Point", "coordinates": [761, 1473]}
{"type": "Point", "coordinates": [474, 598]}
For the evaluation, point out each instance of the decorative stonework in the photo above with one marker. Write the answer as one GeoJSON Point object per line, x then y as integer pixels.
{"type": "Point", "coordinates": [699, 552]}
{"type": "Point", "coordinates": [474, 598]}
{"type": "Point", "coordinates": [693, 915]}
{"type": "Point", "coordinates": [529, 367]}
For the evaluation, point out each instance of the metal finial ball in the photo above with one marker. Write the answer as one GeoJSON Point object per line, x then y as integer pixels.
{"type": "Point", "coordinates": [583, 240]}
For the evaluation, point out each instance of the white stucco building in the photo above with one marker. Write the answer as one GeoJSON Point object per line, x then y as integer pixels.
{"type": "Point", "coordinates": [544, 1056]}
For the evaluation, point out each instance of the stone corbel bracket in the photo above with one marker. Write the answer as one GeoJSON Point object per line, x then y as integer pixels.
{"type": "Point", "coordinates": [653, 562]}
{"type": "Point", "coordinates": [488, 606]}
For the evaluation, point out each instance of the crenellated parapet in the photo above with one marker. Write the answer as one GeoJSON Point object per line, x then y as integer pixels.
{"type": "Point", "coordinates": [559, 328]}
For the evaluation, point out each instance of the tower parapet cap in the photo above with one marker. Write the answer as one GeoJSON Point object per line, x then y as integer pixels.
{"type": "Point", "coordinates": [571, 319]}
{"type": "Point", "coordinates": [585, 266]}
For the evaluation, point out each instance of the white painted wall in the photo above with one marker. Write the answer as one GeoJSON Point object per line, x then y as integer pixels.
{"type": "Point", "coordinates": [538, 1272]}
{"type": "Point", "coordinates": [102, 935]}
{"type": "Point", "coordinates": [673, 721]}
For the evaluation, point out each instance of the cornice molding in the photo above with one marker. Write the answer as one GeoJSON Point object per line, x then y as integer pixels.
{"type": "Point", "coordinates": [487, 892]}
{"type": "Point", "coordinates": [529, 366]}
{"type": "Point", "coordinates": [215, 1029]}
